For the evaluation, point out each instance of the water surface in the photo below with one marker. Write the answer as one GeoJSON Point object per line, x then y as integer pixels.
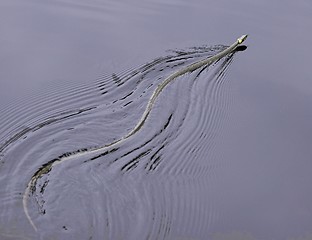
{"type": "Point", "coordinates": [225, 153]}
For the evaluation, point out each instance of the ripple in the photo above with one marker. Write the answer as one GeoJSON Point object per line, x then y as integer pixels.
{"type": "Point", "coordinates": [143, 186]}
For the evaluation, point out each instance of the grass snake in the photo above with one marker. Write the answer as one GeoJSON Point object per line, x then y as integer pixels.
{"type": "Point", "coordinates": [44, 169]}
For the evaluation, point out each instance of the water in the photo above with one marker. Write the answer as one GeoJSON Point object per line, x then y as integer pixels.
{"type": "Point", "coordinates": [224, 154]}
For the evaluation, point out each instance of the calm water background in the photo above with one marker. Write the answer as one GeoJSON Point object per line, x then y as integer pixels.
{"type": "Point", "coordinates": [248, 179]}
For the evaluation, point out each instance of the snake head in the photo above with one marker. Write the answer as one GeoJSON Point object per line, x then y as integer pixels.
{"type": "Point", "coordinates": [242, 39]}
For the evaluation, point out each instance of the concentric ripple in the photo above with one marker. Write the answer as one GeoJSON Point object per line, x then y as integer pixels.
{"type": "Point", "coordinates": [141, 188]}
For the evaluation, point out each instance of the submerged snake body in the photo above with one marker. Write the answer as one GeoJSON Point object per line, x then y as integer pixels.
{"type": "Point", "coordinates": [31, 187]}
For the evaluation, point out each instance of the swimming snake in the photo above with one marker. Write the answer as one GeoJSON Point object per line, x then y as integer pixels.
{"type": "Point", "coordinates": [44, 169]}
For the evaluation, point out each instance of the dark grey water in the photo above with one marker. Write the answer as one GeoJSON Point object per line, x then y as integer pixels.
{"type": "Point", "coordinates": [225, 153]}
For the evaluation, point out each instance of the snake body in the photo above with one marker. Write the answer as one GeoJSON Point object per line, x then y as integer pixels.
{"type": "Point", "coordinates": [44, 169]}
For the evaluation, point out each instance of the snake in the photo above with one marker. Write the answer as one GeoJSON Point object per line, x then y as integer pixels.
{"type": "Point", "coordinates": [46, 168]}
